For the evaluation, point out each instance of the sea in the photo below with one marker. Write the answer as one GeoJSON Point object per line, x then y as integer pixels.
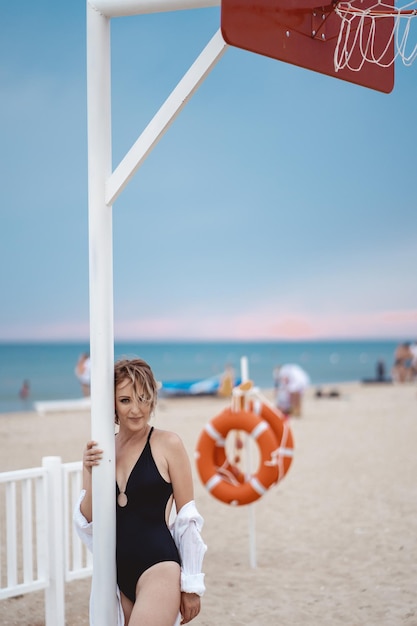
{"type": "Point", "coordinates": [49, 367]}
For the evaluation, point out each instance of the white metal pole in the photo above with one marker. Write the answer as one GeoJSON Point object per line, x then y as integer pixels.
{"type": "Point", "coordinates": [55, 592]}
{"type": "Point", "coordinates": [101, 315]}
{"type": "Point", "coordinates": [252, 536]}
{"type": "Point", "coordinates": [161, 121]}
{"type": "Point", "coordinates": [244, 375]}
{"type": "Point", "coordinates": [244, 369]}
{"type": "Point", "coordinates": [118, 8]}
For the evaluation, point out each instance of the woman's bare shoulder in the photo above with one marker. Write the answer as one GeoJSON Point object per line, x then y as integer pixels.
{"type": "Point", "coordinates": [167, 438]}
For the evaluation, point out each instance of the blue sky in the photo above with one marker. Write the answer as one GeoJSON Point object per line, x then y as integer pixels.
{"type": "Point", "coordinates": [281, 204]}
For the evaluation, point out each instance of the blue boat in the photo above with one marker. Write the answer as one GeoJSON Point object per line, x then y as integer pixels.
{"type": "Point", "coordinates": [199, 387]}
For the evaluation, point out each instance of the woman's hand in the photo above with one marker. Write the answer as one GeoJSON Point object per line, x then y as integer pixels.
{"type": "Point", "coordinates": [190, 606]}
{"type": "Point", "coordinates": [91, 455]}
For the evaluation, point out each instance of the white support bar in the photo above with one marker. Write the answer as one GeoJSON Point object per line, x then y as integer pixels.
{"type": "Point", "coordinates": [27, 531]}
{"type": "Point", "coordinates": [244, 373]}
{"type": "Point", "coordinates": [161, 121]}
{"type": "Point", "coordinates": [41, 525]}
{"type": "Point", "coordinates": [55, 591]}
{"type": "Point", "coordinates": [252, 535]}
{"type": "Point", "coordinates": [11, 534]}
{"type": "Point", "coordinates": [244, 369]}
{"type": "Point", "coordinates": [120, 8]}
{"type": "Point", "coordinates": [103, 188]}
{"type": "Point", "coordinates": [101, 315]}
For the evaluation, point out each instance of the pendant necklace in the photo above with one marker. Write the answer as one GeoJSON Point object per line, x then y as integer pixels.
{"type": "Point", "coordinates": [122, 499]}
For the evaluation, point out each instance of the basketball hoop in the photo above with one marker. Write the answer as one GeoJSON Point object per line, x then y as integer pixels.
{"type": "Point", "coordinates": [305, 33]}
{"type": "Point", "coordinates": [360, 40]}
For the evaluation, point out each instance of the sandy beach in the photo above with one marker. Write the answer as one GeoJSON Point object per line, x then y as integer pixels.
{"type": "Point", "coordinates": [336, 540]}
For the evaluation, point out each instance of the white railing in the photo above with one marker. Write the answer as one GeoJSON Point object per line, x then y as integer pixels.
{"type": "Point", "coordinates": [39, 548]}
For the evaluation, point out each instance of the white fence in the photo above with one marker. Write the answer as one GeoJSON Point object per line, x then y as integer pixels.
{"type": "Point", "coordinates": [39, 548]}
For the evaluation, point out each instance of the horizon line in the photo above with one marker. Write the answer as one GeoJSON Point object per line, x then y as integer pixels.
{"type": "Point", "coordinates": [55, 340]}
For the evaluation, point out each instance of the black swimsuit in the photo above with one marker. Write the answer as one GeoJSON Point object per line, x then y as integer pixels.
{"type": "Point", "coordinates": [142, 535]}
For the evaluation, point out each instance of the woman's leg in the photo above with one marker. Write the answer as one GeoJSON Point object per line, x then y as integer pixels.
{"type": "Point", "coordinates": [158, 596]}
{"type": "Point", "coordinates": [127, 606]}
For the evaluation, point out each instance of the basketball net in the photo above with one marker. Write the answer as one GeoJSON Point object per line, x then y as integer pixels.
{"type": "Point", "coordinates": [358, 41]}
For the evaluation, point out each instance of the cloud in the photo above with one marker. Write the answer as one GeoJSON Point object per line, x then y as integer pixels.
{"type": "Point", "coordinates": [260, 326]}
{"type": "Point", "coordinates": [267, 326]}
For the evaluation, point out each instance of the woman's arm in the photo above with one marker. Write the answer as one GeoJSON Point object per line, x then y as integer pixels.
{"type": "Point", "coordinates": [179, 469]}
{"type": "Point", "coordinates": [186, 530]}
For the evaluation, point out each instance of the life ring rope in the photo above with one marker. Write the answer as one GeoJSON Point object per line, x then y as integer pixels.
{"type": "Point", "coordinates": [262, 407]}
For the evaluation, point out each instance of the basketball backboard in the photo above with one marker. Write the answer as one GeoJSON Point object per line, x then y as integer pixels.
{"type": "Point", "coordinates": [305, 34]}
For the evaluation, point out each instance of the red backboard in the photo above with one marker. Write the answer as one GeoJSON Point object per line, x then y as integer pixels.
{"type": "Point", "coordinates": [304, 34]}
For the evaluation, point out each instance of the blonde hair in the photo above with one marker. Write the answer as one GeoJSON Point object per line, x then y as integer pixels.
{"type": "Point", "coordinates": [140, 374]}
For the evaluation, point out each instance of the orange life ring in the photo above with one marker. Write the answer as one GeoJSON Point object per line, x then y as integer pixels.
{"type": "Point", "coordinates": [210, 453]}
{"type": "Point", "coordinates": [284, 452]}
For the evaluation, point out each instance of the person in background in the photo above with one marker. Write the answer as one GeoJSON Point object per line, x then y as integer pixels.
{"type": "Point", "coordinates": [83, 373]}
{"type": "Point", "coordinates": [227, 382]}
{"type": "Point", "coordinates": [158, 566]}
{"type": "Point", "coordinates": [380, 370]}
{"type": "Point", "coordinates": [290, 382]}
{"type": "Point", "coordinates": [24, 390]}
{"type": "Point", "coordinates": [402, 368]}
{"type": "Point", "coordinates": [413, 364]}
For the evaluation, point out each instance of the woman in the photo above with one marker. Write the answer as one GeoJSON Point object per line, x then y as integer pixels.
{"type": "Point", "coordinates": [158, 568]}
